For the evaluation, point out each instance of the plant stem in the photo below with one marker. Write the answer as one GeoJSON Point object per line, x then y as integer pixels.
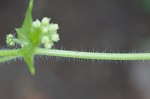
{"type": "Point", "coordinates": [10, 54]}
{"type": "Point", "coordinates": [7, 58]}
{"type": "Point", "coordinates": [95, 56]}
{"type": "Point", "coordinates": [14, 52]}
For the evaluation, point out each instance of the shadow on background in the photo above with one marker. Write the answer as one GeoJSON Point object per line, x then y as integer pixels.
{"type": "Point", "coordinates": [102, 25]}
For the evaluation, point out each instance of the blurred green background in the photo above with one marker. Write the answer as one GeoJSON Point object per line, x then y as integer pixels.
{"type": "Point", "coordinates": [85, 25]}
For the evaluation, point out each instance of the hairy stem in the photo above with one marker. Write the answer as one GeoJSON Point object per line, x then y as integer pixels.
{"type": "Point", "coordinates": [95, 56]}
{"type": "Point", "coordinates": [10, 54]}
{"type": "Point", "coordinates": [7, 58]}
{"type": "Point", "coordinates": [14, 52]}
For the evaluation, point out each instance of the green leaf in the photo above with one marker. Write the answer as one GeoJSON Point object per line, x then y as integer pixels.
{"type": "Point", "coordinates": [24, 31]}
{"type": "Point", "coordinates": [29, 38]}
{"type": "Point", "coordinates": [29, 58]}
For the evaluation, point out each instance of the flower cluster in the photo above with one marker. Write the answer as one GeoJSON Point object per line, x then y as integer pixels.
{"type": "Point", "coordinates": [49, 33]}
{"type": "Point", "coordinates": [10, 40]}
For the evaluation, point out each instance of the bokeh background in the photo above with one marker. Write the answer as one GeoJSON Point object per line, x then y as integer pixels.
{"type": "Point", "coordinates": [85, 25]}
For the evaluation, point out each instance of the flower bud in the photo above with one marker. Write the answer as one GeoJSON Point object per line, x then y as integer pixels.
{"type": "Point", "coordinates": [45, 21]}
{"type": "Point", "coordinates": [55, 37]}
{"type": "Point", "coordinates": [37, 24]}
{"type": "Point", "coordinates": [9, 40]}
{"type": "Point", "coordinates": [53, 27]}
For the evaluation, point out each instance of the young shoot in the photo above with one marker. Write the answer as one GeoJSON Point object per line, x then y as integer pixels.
{"type": "Point", "coordinates": [38, 38]}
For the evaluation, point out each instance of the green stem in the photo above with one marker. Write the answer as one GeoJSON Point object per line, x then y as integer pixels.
{"type": "Point", "coordinates": [10, 54]}
{"type": "Point", "coordinates": [7, 58]}
{"type": "Point", "coordinates": [95, 56]}
{"type": "Point", "coordinates": [14, 52]}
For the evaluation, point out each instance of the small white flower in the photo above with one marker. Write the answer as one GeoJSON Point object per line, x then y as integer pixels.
{"type": "Point", "coordinates": [48, 45]}
{"type": "Point", "coordinates": [37, 24]}
{"type": "Point", "coordinates": [53, 27]}
{"type": "Point", "coordinates": [45, 39]}
{"type": "Point", "coordinates": [44, 30]}
{"type": "Point", "coordinates": [55, 37]}
{"type": "Point", "coordinates": [45, 21]}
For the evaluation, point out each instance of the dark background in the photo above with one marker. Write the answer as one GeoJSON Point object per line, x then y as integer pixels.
{"type": "Point", "coordinates": [85, 25]}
